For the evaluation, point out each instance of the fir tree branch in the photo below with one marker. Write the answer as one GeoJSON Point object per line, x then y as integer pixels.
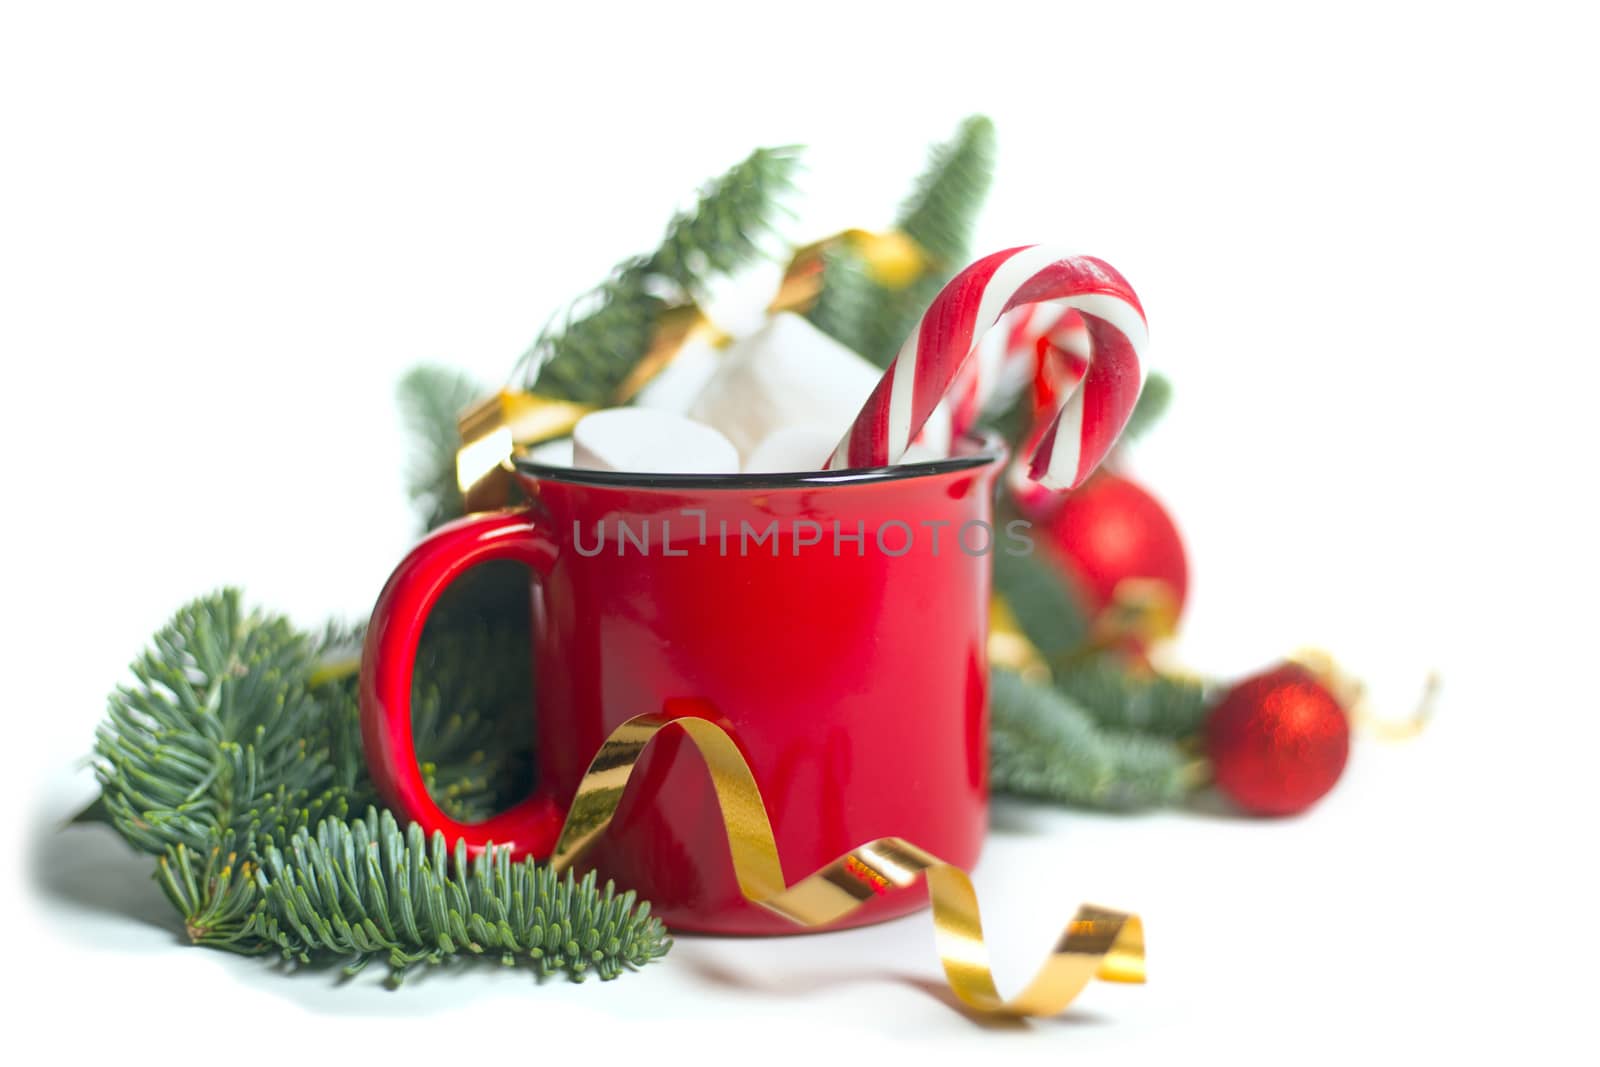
{"type": "Point", "coordinates": [471, 697]}
{"type": "Point", "coordinates": [214, 890]}
{"type": "Point", "coordinates": [227, 752]}
{"type": "Point", "coordinates": [365, 890]}
{"type": "Point", "coordinates": [849, 300]}
{"type": "Point", "coordinates": [604, 335]}
{"type": "Point", "coordinates": [1153, 402]}
{"type": "Point", "coordinates": [218, 733]}
{"type": "Point", "coordinates": [724, 230]}
{"type": "Point", "coordinates": [1040, 597]}
{"type": "Point", "coordinates": [939, 215]}
{"type": "Point", "coordinates": [472, 694]}
{"type": "Point", "coordinates": [1155, 705]}
{"type": "Point", "coordinates": [941, 211]}
{"type": "Point", "coordinates": [1043, 745]}
{"type": "Point", "coordinates": [431, 400]}
{"type": "Point", "coordinates": [586, 356]}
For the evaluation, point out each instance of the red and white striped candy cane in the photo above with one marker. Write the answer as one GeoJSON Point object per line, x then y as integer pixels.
{"type": "Point", "coordinates": [1040, 349]}
{"type": "Point", "coordinates": [932, 359]}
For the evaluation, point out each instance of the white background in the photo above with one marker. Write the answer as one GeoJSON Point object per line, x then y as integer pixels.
{"type": "Point", "coordinates": [1366, 239]}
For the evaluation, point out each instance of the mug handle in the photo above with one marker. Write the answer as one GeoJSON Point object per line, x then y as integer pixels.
{"type": "Point", "coordinates": [389, 658]}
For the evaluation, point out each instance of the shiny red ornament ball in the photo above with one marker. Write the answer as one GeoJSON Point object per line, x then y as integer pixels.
{"type": "Point", "coordinates": [1114, 540]}
{"type": "Point", "coordinates": [1278, 741]}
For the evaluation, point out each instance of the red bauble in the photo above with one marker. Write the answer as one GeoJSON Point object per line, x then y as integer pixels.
{"type": "Point", "coordinates": [1278, 741]}
{"type": "Point", "coordinates": [1117, 545]}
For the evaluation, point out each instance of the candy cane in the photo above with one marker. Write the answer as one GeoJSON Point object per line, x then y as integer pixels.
{"type": "Point", "coordinates": [1061, 357]}
{"type": "Point", "coordinates": [1041, 349]}
{"type": "Point", "coordinates": [931, 361]}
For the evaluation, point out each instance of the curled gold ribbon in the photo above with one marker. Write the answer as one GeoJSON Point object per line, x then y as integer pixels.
{"type": "Point", "coordinates": [491, 432]}
{"type": "Point", "coordinates": [1144, 610]}
{"type": "Point", "coordinates": [1351, 695]}
{"type": "Point", "coordinates": [1097, 943]}
{"type": "Point", "coordinates": [1009, 646]}
{"type": "Point", "coordinates": [892, 259]}
{"type": "Point", "coordinates": [494, 429]}
{"type": "Point", "coordinates": [498, 427]}
{"type": "Point", "coordinates": [675, 327]}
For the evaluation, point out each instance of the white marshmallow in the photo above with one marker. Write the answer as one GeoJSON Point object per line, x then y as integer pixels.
{"type": "Point", "coordinates": [791, 448]}
{"type": "Point", "coordinates": [557, 453]}
{"type": "Point", "coordinates": [680, 381]}
{"type": "Point", "coordinates": [788, 373]}
{"type": "Point", "coordinates": [650, 442]}
{"type": "Point", "coordinates": [737, 302]}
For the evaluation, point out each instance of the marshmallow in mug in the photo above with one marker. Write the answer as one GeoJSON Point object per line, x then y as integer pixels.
{"type": "Point", "coordinates": [650, 442]}
{"type": "Point", "coordinates": [557, 453]}
{"type": "Point", "coordinates": [788, 373]}
{"type": "Point", "coordinates": [681, 381]}
{"type": "Point", "coordinates": [791, 448]}
{"type": "Point", "coordinates": [796, 448]}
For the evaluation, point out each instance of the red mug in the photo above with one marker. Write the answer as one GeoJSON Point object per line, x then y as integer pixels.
{"type": "Point", "coordinates": [833, 622]}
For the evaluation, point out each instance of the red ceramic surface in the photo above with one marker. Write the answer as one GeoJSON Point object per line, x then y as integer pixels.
{"type": "Point", "coordinates": [855, 683]}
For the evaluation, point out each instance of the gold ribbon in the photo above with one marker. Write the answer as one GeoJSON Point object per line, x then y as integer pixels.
{"type": "Point", "coordinates": [1097, 943]}
{"type": "Point", "coordinates": [892, 259]}
{"type": "Point", "coordinates": [496, 428]}
{"type": "Point", "coordinates": [491, 432]}
{"type": "Point", "coordinates": [1142, 610]}
{"type": "Point", "coordinates": [675, 327]}
{"type": "Point", "coordinates": [1351, 694]}
{"type": "Point", "coordinates": [1010, 647]}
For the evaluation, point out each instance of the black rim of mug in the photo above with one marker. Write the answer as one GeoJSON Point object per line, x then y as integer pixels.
{"type": "Point", "coordinates": [985, 450]}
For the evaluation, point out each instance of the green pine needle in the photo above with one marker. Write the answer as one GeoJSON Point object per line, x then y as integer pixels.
{"type": "Point", "coordinates": [1153, 402]}
{"type": "Point", "coordinates": [1043, 745]}
{"type": "Point", "coordinates": [364, 890]}
{"type": "Point", "coordinates": [431, 400]}
{"type": "Point", "coordinates": [1041, 598]}
{"type": "Point", "coordinates": [229, 763]}
{"type": "Point", "coordinates": [588, 354]}
{"type": "Point", "coordinates": [939, 215]}
{"type": "Point", "coordinates": [214, 889]}
{"type": "Point", "coordinates": [1117, 699]}
{"type": "Point", "coordinates": [725, 229]}
{"type": "Point", "coordinates": [849, 300]}
{"type": "Point", "coordinates": [218, 733]}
